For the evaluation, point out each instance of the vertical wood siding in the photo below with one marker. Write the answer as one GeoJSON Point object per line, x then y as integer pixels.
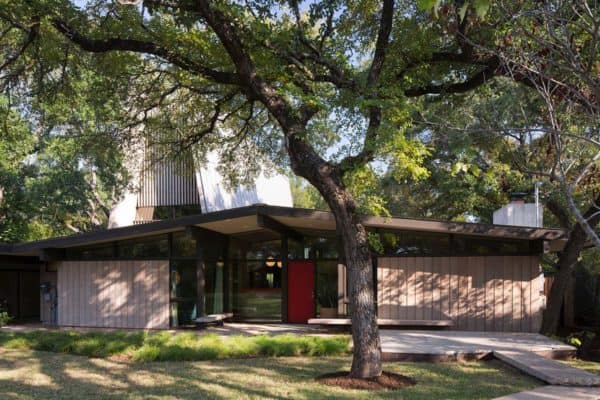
{"type": "Point", "coordinates": [503, 293]}
{"type": "Point", "coordinates": [168, 182]}
{"type": "Point", "coordinates": [114, 294]}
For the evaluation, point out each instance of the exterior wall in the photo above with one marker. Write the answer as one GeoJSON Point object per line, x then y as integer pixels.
{"type": "Point", "coordinates": [115, 294]}
{"type": "Point", "coordinates": [496, 293]}
{"type": "Point", "coordinates": [45, 308]}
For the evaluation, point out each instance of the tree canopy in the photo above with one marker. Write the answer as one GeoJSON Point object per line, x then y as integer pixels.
{"type": "Point", "coordinates": [334, 90]}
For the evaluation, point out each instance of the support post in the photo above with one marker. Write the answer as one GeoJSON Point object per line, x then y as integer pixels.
{"type": "Point", "coordinates": [284, 277]}
{"type": "Point", "coordinates": [200, 279]}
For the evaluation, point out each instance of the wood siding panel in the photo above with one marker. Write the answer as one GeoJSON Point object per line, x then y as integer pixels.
{"type": "Point", "coordinates": [118, 294]}
{"type": "Point", "coordinates": [493, 293]}
{"type": "Point", "coordinates": [396, 292]}
{"type": "Point", "coordinates": [419, 288]}
{"type": "Point", "coordinates": [507, 290]}
{"type": "Point", "coordinates": [403, 284]}
{"type": "Point", "coordinates": [436, 282]}
{"type": "Point", "coordinates": [538, 301]}
{"type": "Point", "coordinates": [479, 265]}
{"type": "Point", "coordinates": [428, 288]}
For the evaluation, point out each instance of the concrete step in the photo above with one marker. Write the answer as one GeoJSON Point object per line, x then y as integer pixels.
{"type": "Point", "coordinates": [555, 393]}
{"type": "Point", "coordinates": [549, 371]}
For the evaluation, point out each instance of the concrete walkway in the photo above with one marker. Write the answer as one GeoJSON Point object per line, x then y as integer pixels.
{"type": "Point", "coordinates": [441, 345]}
{"type": "Point", "coordinates": [549, 371]}
{"type": "Point", "coordinates": [555, 393]}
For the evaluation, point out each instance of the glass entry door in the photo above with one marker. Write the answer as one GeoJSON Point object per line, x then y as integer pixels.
{"type": "Point", "coordinates": [183, 292]}
{"type": "Point", "coordinates": [257, 272]}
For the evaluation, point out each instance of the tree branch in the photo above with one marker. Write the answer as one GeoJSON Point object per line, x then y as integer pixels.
{"type": "Point", "coordinates": [471, 83]}
{"type": "Point", "coordinates": [383, 38]}
{"type": "Point", "coordinates": [31, 35]}
{"type": "Point", "coordinates": [559, 212]}
{"type": "Point", "coordinates": [145, 47]}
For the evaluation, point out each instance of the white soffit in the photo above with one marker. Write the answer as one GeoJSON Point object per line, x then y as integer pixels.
{"type": "Point", "coordinates": [214, 195]}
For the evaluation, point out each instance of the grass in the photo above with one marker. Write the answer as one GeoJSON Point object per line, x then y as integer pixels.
{"type": "Point", "coordinates": [589, 366]}
{"type": "Point", "coordinates": [167, 346]}
{"type": "Point", "coordinates": [26, 374]}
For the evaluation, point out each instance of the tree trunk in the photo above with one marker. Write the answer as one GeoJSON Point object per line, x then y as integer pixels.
{"type": "Point", "coordinates": [366, 361]}
{"type": "Point", "coordinates": [566, 264]}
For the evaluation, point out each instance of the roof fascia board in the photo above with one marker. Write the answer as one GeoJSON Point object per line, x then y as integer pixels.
{"type": "Point", "coordinates": [158, 227]}
{"type": "Point", "coordinates": [151, 228]}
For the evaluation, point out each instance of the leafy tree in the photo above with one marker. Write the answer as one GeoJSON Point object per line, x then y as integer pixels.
{"type": "Point", "coordinates": [61, 163]}
{"type": "Point", "coordinates": [326, 86]}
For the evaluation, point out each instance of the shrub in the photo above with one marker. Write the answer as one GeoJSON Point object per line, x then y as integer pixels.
{"type": "Point", "coordinates": [166, 346]}
{"type": "Point", "coordinates": [4, 318]}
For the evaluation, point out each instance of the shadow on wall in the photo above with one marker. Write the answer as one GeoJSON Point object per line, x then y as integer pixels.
{"type": "Point", "coordinates": [114, 294]}
{"type": "Point", "coordinates": [503, 293]}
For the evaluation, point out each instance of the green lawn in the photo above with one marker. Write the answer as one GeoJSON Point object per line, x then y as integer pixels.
{"type": "Point", "coordinates": [26, 374]}
{"type": "Point", "coordinates": [167, 346]}
{"type": "Point", "coordinates": [590, 366]}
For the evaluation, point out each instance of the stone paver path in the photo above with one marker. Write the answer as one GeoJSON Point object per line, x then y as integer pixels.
{"type": "Point", "coordinates": [547, 370]}
{"type": "Point", "coordinates": [466, 342]}
{"type": "Point", "coordinates": [556, 393]}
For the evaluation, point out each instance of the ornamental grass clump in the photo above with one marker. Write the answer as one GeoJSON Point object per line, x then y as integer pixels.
{"type": "Point", "coordinates": [168, 346]}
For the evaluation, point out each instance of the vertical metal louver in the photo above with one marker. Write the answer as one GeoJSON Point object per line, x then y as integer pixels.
{"type": "Point", "coordinates": [166, 182]}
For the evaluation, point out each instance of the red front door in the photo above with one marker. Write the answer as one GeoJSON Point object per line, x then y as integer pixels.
{"type": "Point", "coordinates": [301, 289]}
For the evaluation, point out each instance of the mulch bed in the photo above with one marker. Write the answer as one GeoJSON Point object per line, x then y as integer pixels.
{"type": "Point", "coordinates": [387, 380]}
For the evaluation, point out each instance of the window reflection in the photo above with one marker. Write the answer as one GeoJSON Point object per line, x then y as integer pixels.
{"type": "Point", "coordinates": [183, 291]}
{"type": "Point", "coordinates": [257, 275]}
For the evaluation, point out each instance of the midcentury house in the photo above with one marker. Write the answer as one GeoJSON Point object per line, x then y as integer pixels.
{"type": "Point", "coordinates": [183, 245]}
{"type": "Point", "coordinates": [272, 263]}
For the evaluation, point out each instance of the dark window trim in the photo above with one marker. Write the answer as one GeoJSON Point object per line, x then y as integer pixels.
{"type": "Point", "coordinates": [533, 246]}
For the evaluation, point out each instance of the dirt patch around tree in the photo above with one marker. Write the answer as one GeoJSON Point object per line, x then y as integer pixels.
{"type": "Point", "coordinates": [387, 380]}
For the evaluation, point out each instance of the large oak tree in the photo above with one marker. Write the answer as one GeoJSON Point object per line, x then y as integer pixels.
{"type": "Point", "coordinates": [325, 86]}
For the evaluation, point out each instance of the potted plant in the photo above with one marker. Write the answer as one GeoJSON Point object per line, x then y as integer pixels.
{"type": "Point", "coordinates": [328, 300]}
{"type": "Point", "coordinates": [4, 318]}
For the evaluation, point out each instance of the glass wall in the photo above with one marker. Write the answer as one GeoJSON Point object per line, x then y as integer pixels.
{"type": "Point", "coordinates": [413, 243]}
{"type": "Point", "coordinates": [256, 270]}
{"type": "Point", "coordinates": [184, 292]}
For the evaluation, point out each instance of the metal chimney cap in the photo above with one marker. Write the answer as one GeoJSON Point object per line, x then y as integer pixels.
{"type": "Point", "coordinates": [518, 197]}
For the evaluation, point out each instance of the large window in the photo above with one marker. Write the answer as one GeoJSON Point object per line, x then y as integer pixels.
{"type": "Point", "coordinates": [151, 247]}
{"type": "Point", "coordinates": [184, 292]}
{"type": "Point", "coordinates": [257, 279]}
{"type": "Point", "coordinates": [413, 243]}
{"type": "Point", "coordinates": [98, 252]}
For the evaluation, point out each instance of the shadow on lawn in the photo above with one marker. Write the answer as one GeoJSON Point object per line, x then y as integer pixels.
{"type": "Point", "coordinates": [37, 375]}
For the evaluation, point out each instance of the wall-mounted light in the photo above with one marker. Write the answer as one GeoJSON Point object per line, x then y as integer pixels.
{"type": "Point", "coordinates": [270, 262]}
{"type": "Point", "coordinates": [220, 263]}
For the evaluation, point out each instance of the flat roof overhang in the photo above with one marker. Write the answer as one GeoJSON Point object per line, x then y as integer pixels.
{"type": "Point", "coordinates": [246, 221]}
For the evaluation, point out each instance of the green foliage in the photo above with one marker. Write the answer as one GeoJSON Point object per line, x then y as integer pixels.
{"type": "Point", "coordinates": [577, 339]}
{"type": "Point", "coordinates": [166, 346]}
{"type": "Point", "coordinates": [86, 344]}
{"type": "Point", "coordinates": [305, 195]}
{"type": "Point", "coordinates": [574, 341]}
{"type": "Point", "coordinates": [432, 156]}
{"type": "Point", "coordinates": [327, 294]}
{"type": "Point", "coordinates": [4, 318]}
{"type": "Point", "coordinates": [481, 7]}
